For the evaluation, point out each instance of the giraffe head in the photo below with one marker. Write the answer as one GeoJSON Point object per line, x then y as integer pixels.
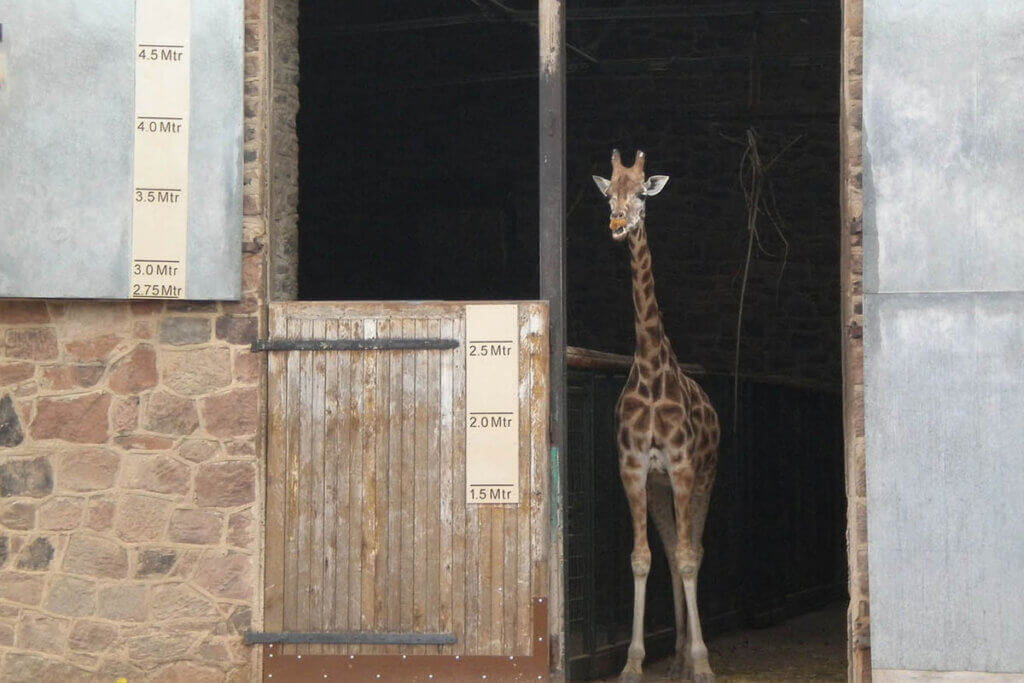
{"type": "Point", "coordinates": [627, 193]}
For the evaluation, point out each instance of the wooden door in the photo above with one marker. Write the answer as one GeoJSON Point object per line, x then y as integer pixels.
{"type": "Point", "coordinates": [375, 561]}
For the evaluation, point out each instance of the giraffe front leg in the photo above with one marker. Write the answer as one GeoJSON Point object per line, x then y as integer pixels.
{"type": "Point", "coordinates": [640, 559]}
{"type": "Point", "coordinates": [688, 556]}
{"type": "Point", "coordinates": [659, 502]}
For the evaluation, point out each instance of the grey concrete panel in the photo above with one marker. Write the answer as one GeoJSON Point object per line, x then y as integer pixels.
{"type": "Point", "coordinates": [215, 142]}
{"type": "Point", "coordinates": [943, 145]}
{"type": "Point", "coordinates": [66, 137]}
{"type": "Point", "coordinates": [944, 415]}
{"type": "Point", "coordinates": [66, 146]}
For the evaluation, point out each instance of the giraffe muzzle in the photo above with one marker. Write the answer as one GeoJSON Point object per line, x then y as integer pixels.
{"type": "Point", "coordinates": [618, 228]}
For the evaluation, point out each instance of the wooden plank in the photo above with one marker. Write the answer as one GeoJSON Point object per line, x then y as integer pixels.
{"type": "Point", "coordinates": [381, 427]}
{"type": "Point", "coordinates": [316, 489]}
{"type": "Point", "coordinates": [447, 467]}
{"type": "Point", "coordinates": [394, 556]}
{"type": "Point", "coordinates": [408, 516]}
{"type": "Point", "coordinates": [497, 584]}
{"type": "Point", "coordinates": [291, 517]}
{"type": "Point", "coordinates": [368, 426]}
{"type": "Point", "coordinates": [510, 584]}
{"type": "Point", "coordinates": [342, 470]}
{"type": "Point", "coordinates": [276, 473]}
{"type": "Point", "coordinates": [420, 507]}
{"type": "Point", "coordinates": [355, 496]}
{"type": "Point", "coordinates": [485, 514]}
{"type": "Point", "coordinates": [303, 584]}
{"type": "Point", "coordinates": [524, 607]}
{"type": "Point", "coordinates": [332, 450]}
{"type": "Point", "coordinates": [472, 535]}
{"type": "Point", "coordinates": [459, 572]}
{"type": "Point", "coordinates": [539, 454]}
{"type": "Point", "coordinates": [431, 395]}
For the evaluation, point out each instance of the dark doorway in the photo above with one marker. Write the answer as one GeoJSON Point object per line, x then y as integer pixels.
{"type": "Point", "coordinates": [418, 151]}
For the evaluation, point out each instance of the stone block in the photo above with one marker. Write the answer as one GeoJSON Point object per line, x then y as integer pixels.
{"type": "Point", "coordinates": [247, 366]}
{"type": "Point", "coordinates": [143, 442]}
{"type": "Point", "coordinates": [86, 469]}
{"type": "Point", "coordinates": [29, 668]}
{"type": "Point", "coordinates": [92, 348]}
{"type": "Point", "coordinates": [36, 343]}
{"type": "Point", "coordinates": [5, 550]}
{"type": "Point", "coordinates": [41, 632]}
{"type": "Point", "coordinates": [180, 331]}
{"type": "Point", "coordinates": [122, 602]}
{"type": "Point", "coordinates": [18, 515]}
{"type": "Point", "coordinates": [135, 372]}
{"type": "Point", "coordinates": [15, 373]}
{"type": "Point", "coordinates": [157, 473]}
{"type": "Point", "coordinates": [26, 477]}
{"type": "Point", "coordinates": [225, 484]}
{"type": "Point", "coordinates": [23, 312]}
{"type": "Point", "coordinates": [197, 450]}
{"type": "Point", "coordinates": [168, 414]}
{"type": "Point", "coordinates": [241, 527]}
{"type": "Point", "coordinates": [226, 574]}
{"type": "Point", "coordinates": [71, 596]}
{"type": "Point", "coordinates": [92, 636]}
{"type": "Point", "coordinates": [26, 589]}
{"type": "Point", "coordinates": [187, 671]}
{"type": "Point", "coordinates": [231, 414]}
{"type": "Point", "coordinates": [159, 646]}
{"type": "Point", "coordinates": [58, 378]}
{"type": "Point", "coordinates": [99, 516]}
{"type": "Point", "coordinates": [95, 556]}
{"type": "Point", "coordinates": [180, 601]}
{"type": "Point", "coordinates": [61, 513]}
{"type": "Point", "coordinates": [236, 329]}
{"type": "Point", "coordinates": [154, 562]}
{"type": "Point", "coordinates": [89, 374]}
{"type": "Point", "coordinates": [142, 518]}
{"type": "Point", "coordinates": [11, 433]}
{"type": "Point", "coordinates": [195, 372]}
{"type": "Point", "coordinates": [6, 635]}
{"type": "Point", "coordinates": [124, 414]}
{"type": "Point", "coordinates": [36, 556]}
{"type": "Point", "coordinates": [201, 527]}
{"type": "Point", "coordinates": [82, 419]}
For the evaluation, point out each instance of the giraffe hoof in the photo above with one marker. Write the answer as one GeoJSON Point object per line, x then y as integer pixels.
{"type": "Point", "coordinates": [704, 678]}
{"type": "Point", "coordinates": [679, 671]}
{"type": "Point", "coordinates": [631, 677]}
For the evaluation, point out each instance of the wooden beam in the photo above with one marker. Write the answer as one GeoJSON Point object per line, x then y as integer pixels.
{"type": "Point", "coordinates": [551, 25]}
{"type": "Point", "coordinates": [591, 14]}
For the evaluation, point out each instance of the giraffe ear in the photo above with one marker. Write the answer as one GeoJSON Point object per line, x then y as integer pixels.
{"type": "Point", "coordinates": [602, 184]}
{"type": "Point", "coordinates": [655, 184]}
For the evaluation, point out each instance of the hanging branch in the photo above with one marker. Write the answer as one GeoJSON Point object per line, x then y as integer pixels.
{"type": "Point", "coordinates": [753, 179]}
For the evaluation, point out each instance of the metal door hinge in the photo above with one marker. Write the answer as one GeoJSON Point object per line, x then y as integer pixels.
{"type": "Point", "coordinates": [354, 344]}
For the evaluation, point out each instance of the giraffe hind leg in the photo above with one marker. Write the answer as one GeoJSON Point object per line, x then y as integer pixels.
{"type": "Point", "coordinates": [690, 512]}
{"type": "Point", "coordinates": [659, 503]}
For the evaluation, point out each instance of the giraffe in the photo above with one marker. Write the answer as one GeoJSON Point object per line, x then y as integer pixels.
{"type": "Point", "coordinates": [667, 434]}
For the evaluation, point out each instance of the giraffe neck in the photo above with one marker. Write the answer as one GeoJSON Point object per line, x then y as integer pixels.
{"type": "Point", "coordinates": [650, 331]}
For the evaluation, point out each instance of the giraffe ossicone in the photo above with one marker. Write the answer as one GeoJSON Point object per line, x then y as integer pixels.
{"type": "Point", "coordinates": [667, 435]}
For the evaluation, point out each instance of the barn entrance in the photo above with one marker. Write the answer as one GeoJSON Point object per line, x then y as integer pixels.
{"type": "Point", "coordinates": [417, 144]}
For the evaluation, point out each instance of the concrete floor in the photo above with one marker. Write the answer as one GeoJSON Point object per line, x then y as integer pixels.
{"type": "Point", "coordinates": [811, 647]}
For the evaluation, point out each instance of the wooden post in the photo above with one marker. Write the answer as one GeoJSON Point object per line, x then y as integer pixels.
{"type": "Point", "coordinates": [551, 24]}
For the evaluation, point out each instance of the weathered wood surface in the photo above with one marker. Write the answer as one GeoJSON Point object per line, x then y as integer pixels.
{"type": "Point", "coordinates": [368, 527]}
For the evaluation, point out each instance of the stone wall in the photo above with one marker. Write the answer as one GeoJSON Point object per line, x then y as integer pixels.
{"type": "Point", "coordinates": [852, 270]}
{"type": "Point", "coordinates": [130, 471]}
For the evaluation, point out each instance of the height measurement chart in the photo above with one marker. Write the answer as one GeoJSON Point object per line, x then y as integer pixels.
{"type": "Point", "coordinates": [492, 404]}
{"type": "Point", "coordinates": [160, 192]}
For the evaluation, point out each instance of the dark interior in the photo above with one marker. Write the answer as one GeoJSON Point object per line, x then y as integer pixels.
{"type": "Point", "coordinates": [418, 134]}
